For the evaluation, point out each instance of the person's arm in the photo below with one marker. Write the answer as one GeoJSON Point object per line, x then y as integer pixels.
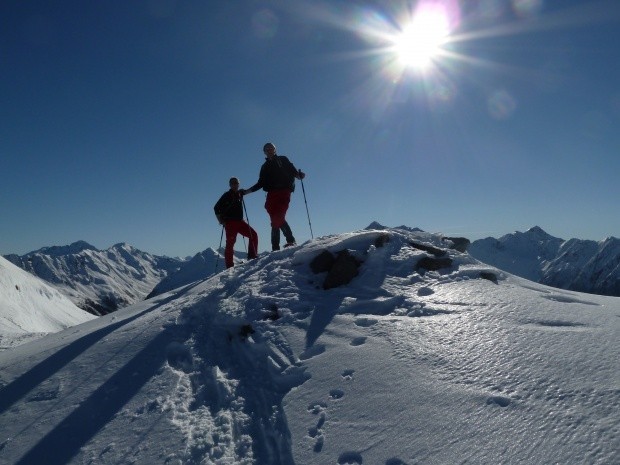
{"type": "Point", "coordinates": [294, 171]}
{"type": "Point", "coordinates": [259, 184]}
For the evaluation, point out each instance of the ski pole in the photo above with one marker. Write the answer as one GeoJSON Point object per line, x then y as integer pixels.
{"type": "Point", "coordinates": [218, 250]}
{"type": "Point", "coordinates": [247, 218]}
{"type": "Point", "coordinates": [306, 202]}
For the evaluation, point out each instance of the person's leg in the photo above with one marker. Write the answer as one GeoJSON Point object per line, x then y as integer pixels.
{"type": "Point", "coordinates": [275, 238]}
{"type": "Point", "coordinates": [247, 231]}
{"type": "Point", "coordinates": [231, 238]}
{"type": "Point", "coordinates": [288, 234]}
{"type": "Point", "coordinates": [276, 205]}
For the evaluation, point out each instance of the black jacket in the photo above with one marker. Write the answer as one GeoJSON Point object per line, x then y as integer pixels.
{"type": "Point", "coordinates": [229, 207]}
{"type": "Point", "coordinates": [276, 173]}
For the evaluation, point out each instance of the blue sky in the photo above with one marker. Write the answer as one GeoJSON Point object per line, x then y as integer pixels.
{"type": "Point", "coordinates": [123, 121]}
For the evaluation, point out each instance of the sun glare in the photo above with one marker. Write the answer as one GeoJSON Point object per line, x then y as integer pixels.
{"type": "Point", "coordinates": [420, 41]}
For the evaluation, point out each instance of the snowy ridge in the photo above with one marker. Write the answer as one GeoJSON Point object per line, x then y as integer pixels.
{"type": "Point", "coordinates": [29, 307]}
{"type": "Point", "coordinates": [260, 365]}
{"type": "Point", "coordinates": [575, 264]}
{"type": "Point", "coordinates": [99, 281]}
{"type": "Point", "coordinates": [199, 267]}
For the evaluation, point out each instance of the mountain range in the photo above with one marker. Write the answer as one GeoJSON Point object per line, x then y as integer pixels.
{"type": "Point", "coordinates": [414, 353]}
{"type": "Point", "coordinates": [574, 264]}
{"type": "Point", "coordinates": [102, 281]}
{"type": "Point", "coordinates": [98, 281]}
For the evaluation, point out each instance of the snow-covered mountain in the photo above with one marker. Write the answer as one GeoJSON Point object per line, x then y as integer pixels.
{"type": "Point", "coordinates": [99, 281]}
{"type": "Point", "coordinates": [199, 267]}
{"type": "Point", "coordinates": [29, 307]}
{"type": "Point", "coordinates": [421, 354]}
{"type": "Point", "coordinates": [575, 264]}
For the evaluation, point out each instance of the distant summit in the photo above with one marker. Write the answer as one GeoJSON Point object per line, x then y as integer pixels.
{"type": "Point", "coordinates": [379, 226]}
{"type": "Point", "coordinates": [575, 264]}
{"type": "Point", "coordinates": [58, 251]}
{"type": "Point", "coordinates": [99, 281]}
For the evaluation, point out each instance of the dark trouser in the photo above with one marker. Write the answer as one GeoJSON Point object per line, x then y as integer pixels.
{"type": "Point", "coordinates": [277, 206]}
{"type": "Point", "coordinates": [275, 236]}
{"type": "Point", "coordinates": [234, 227]}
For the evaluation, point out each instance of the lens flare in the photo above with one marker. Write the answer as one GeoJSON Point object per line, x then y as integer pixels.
{"type": "Point", "coordinates": [421, 40]}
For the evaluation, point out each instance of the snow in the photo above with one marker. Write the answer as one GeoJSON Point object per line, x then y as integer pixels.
{"type": "Point", "coordinates": [575, 264]}
{"type": "Point", "coordinates": [99, 281]}
{"type": "Point", "coordinates": [397, 367]}
{"type": "Point", "coordinates": [29, 307]}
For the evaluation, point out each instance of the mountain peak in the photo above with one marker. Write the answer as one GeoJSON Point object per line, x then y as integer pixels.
{"type": "Point", "coordinates": [60, 250]}
{"type": "Point", "coordinates": [537, 230]}
{"type": "Point", "coordinates": [375, 225]}
{"type": "Point", "coordinates": [123, 245]}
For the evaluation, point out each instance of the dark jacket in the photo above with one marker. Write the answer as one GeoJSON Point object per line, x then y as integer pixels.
{"type": "Point", "coordinates": [229, 207]}
{"type": "Point", "coordinates": [276, 173]}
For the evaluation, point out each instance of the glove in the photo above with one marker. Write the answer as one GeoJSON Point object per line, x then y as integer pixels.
{"type": "Point", "coordinates": [301, 174]}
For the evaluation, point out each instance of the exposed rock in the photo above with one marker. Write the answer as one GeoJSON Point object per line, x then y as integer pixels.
{"type": "Point", "coordinates": [489, 276]}
{"type": "Point", "coordinates": [433, 263]}
{"type": "Point", "coordinates": [428, 248]}
{"type": "Point", "coordinates": [382, 240]}
{"type": "Point", "coordinates": [460, 244]}
{"type": "Point", "coordinates": [322, 262]}
{"type": "Point", "coordinates": [344, 269]}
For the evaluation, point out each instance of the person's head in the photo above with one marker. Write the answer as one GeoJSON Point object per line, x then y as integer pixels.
{"type": "Point", "coordinates": [269, 150]}
{"type": "Point", "coordinates": [234, 183]}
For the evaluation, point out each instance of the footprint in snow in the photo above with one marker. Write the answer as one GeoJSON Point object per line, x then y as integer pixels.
{"type": "Point", "coordinates": [350, 458]}
{"type": "Point", "coordinates": [358, 341]}
{"type": "Point", "coordinates": [317, 407]}
{"type": "Point", "coordinates": [348, 374]}
{"type": "Point", "coordinates": [366, 322]}
{"type": "Point", "coordinates": [316, 432]}
{"type": "Point", "coordinates": [394, 461]}
{"type": "Point", "coordinates": [499, 400]}
{"type": "Point", "coordinates": [336, 394]}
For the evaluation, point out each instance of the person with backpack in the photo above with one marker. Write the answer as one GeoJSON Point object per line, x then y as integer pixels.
{"type": "Point", "coordinates": [229, 213]}
{"type": "Point", "coordinates": [277, 178]}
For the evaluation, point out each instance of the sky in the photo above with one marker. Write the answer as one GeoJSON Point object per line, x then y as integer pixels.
{"type": "Point", "coordinates": [123, 121]}
{"type": "Point", "coordinates": [397, 367]}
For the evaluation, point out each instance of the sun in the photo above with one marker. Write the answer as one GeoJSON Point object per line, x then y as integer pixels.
{"type": "Point", "coordinates": [420, 41]}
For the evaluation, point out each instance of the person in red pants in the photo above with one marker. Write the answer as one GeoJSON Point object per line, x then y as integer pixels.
{"type": "Point", "coordinates": [229, 212]}
{"type": "Point", "coordinates": [277, 178]}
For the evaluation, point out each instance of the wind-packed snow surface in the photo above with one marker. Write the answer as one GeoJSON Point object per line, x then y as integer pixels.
{"type": "Point", "coordinates": [260, 365]}
{"type": "Point", "coordinates": [30, 307]}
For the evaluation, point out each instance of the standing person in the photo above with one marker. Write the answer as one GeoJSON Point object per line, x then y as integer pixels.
{"type": "Point", "coordinates": [229, 212]}
{"type": "Point", "coordinates": [277, 178]}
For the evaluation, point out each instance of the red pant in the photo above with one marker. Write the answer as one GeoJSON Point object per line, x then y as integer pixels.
{"type": "Point", "coordinates": [234, 227]}
{"type": "Point", "coordinates": [277, 205]}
